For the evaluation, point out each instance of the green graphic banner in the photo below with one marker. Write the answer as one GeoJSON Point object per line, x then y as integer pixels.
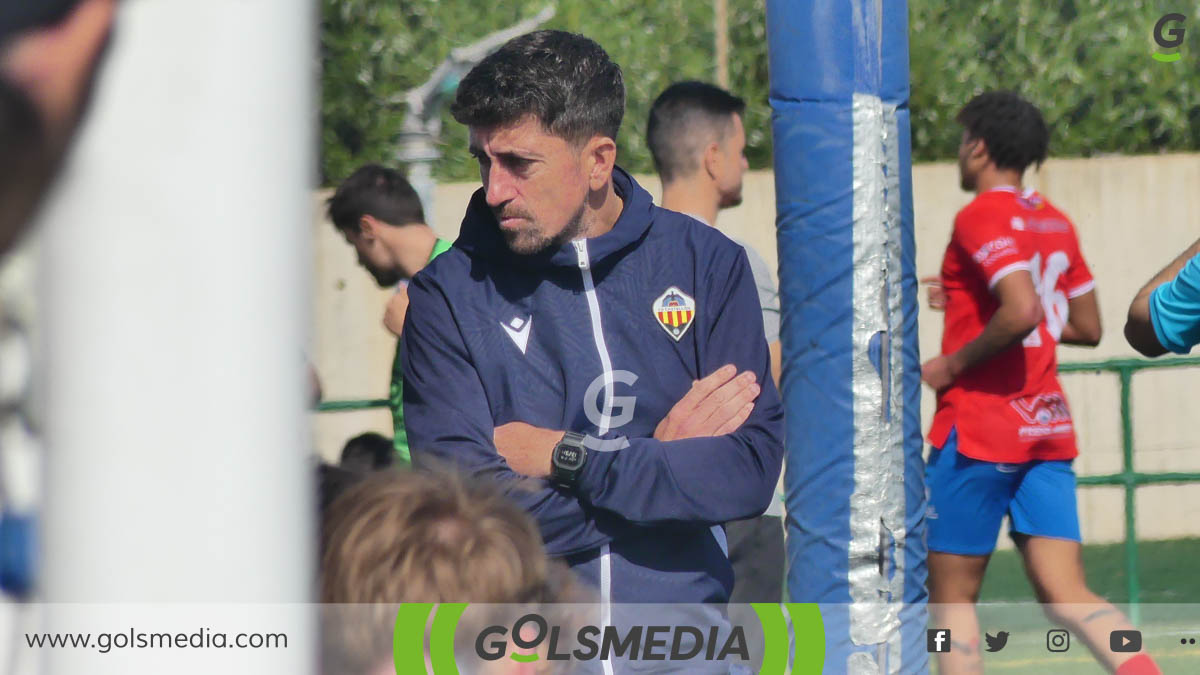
{"type": "Point", "coordinates": [773, 639]}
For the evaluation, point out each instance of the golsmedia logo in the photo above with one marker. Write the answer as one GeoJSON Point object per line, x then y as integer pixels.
{"type": "Point", "coordinates": [1168, 34]}
{"type": "Point", "coordinates": [660, 643]}
{"type": "Point", "coordinates": [532, 637]}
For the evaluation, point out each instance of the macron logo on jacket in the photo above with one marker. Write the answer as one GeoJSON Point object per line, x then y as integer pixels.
{"type": "Point", "coordinates": [518, 330]}
{"type": "Point", "coordinates": [625, 323]}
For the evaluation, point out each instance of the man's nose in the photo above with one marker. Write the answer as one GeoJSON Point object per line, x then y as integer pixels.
{"type": "Point", "coordinates": [498, 186]}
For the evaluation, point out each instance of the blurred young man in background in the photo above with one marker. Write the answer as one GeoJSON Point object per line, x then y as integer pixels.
{"type": "Point", "coordinates": [696, 136]}
{"type": "Point", "coordinates": [380, 215]}
{"type": "Point", "coordinates": [1015, 285]}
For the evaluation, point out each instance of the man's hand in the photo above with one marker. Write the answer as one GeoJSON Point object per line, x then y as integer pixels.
{"type": "Point", "coordinates": [714, 406]}
{"type": "Point", "coordinates": [937, 293]}
{"type": "Point", "coordinates": [527, 448]}
{"type": "Point", "coordinates": [397, 309]}
{"type": "Point", "coordinates": [940, 372]}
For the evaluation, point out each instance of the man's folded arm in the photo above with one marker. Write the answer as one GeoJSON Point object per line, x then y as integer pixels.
{"type": "Point", "coordinates": [449, 423]}
{"type": "Point", "coordinates": [704, 479]}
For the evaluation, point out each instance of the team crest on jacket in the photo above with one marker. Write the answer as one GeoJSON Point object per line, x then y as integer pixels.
{"type": "Point", "coordinates": [675, 311]}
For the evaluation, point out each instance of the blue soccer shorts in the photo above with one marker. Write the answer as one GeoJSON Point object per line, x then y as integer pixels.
{"type": "Point", "coordinates": [968, 499]}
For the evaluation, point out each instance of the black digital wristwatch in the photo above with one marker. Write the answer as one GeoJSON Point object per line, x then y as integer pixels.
{"type": "Point", "coordinates": [568, 459]}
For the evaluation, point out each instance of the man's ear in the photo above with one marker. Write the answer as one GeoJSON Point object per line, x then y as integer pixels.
{"type": "Point", "coordinates": [979, 150]}
{"type": "Point", "coordinates": [600, 153]}
{"type": "Point", "coordinates": [711, 161]}
{"type": "Point", "coordinates": [368, 227]}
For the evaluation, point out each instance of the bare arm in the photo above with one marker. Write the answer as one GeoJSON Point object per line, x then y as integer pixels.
{"type": "Point", "coordinates": [1083, 321]}
{"type": "Point", "coordinates": [1139, 330]}
{"type": "Point", "coordinates": [1019, 314]}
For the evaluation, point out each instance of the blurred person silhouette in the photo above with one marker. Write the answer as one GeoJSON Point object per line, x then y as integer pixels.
{"type": "Point", "coordinates": [380, 215]}
{"type": "Point", "coordinates": [1013, 285]}
{"type": "Point", "coordinates": [49, 54]}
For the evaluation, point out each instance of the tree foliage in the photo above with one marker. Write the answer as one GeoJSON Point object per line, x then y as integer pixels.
{"type": "Point", "coordinates": [371, 51]}
{"type": "Point", "coordinates": [1086, 63]}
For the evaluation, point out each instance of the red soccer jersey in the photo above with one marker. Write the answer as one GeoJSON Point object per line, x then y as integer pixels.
{"type": "Point", "coordinates": [1010, 408]}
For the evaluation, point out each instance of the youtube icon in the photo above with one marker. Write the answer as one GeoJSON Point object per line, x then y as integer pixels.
{"type": "Point", "coordinates": [1125, 641]}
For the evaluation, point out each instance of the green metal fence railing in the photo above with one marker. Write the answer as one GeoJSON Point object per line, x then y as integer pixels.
{"type": "Point", "coordinates": [343, 406]}
{"type": "Point", "coordinates": [1129, 479]}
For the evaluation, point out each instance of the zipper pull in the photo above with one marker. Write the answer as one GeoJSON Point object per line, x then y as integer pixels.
{"type": "Point", "coordinates": [581, 252]}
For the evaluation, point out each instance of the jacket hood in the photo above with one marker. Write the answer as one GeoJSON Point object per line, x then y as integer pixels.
{"type": "Point", "coordinates": [480, 234]}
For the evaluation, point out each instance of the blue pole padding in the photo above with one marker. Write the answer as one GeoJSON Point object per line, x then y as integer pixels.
{"type": "Point", "coordinates": [839, 96]}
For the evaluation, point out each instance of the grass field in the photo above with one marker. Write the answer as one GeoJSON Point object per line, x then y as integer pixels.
{"type": "Point", "coordinates": [1170, 598]}
{"type": "Point", "coordinates": [1168, 573]}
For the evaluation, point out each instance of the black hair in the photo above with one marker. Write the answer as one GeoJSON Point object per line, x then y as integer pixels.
{"type": "Point", "coordinates": [332, 481]}
{"type": "Point", "coordinates": [678, 119]}
{"type": "Point", "coordinates": [375, 191]}
{"type": "Point", "coordinates": [1011, 127]}
{"type": "Point", "coordinates": [368, 452]}
{"type": "Point", "coordinates": [566, 81]}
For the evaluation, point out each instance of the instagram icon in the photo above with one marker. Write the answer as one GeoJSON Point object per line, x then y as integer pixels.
{"type": "Point", "coordinates": [1058, 640]}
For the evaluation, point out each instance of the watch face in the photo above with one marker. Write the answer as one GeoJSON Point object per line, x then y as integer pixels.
{"type": "Point", "coordinates": [568, 457]}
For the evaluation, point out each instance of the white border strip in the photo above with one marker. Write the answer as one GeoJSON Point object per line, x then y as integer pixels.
{"type": "Point", "coordinates": [1082, 289]}
{"type": "Point", "coordinates": [1007, 270]}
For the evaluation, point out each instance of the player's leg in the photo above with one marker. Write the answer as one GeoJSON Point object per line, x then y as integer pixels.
{"type": "Point", "coordinates": [954, 583]}
{"type": "Point", "coordinates": [1046, 531]}
{"type": "Point", "coordinates": [967, 502]}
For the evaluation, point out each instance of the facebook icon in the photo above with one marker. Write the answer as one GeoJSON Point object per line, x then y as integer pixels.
{"type": "Point", "coordinates": [937, 640]}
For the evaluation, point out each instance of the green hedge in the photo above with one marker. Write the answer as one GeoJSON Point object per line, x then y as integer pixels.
{"type": "Point", "coordinates": [1087, 63]}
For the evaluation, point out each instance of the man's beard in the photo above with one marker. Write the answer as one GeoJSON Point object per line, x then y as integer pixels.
{"type": "Point", "coordinates": [966, 182]}
{"type": "Point", "coordinates": [731, 200]}
{"type": "Point", "coordinates": [385, 278]}
{"type": "Point", "coordinates": [533, 240]}
{"type": "Point", "coordinates": [727, 199]}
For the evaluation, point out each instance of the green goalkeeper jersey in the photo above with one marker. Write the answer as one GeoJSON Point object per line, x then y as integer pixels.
{"type": "Point", "coordinates": [396, 391]}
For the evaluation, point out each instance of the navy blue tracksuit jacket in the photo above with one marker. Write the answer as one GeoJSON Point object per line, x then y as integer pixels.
{"type": "Point", "coordinates": [601, 336]}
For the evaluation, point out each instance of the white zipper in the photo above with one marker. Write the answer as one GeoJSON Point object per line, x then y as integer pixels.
{"type": "Point", "coordinates": [589, 291]}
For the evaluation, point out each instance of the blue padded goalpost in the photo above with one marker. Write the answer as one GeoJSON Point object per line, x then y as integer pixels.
{"type": "Point", "coordinates": [851, 380]}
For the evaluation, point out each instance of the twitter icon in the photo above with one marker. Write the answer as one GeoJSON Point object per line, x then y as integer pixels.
{"type": "Point", "coordinates": [996, 643]}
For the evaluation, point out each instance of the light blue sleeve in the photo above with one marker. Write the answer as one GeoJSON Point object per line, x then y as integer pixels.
{"type": "Point", "coordinates": [1175, 309]}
